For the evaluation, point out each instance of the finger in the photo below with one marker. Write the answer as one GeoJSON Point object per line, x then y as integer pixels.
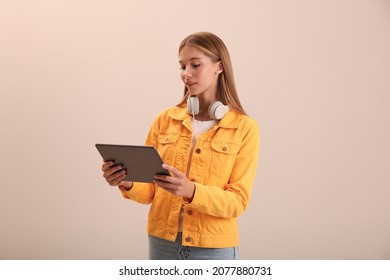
{"type": "Point", "coordinates": [164, 184]}
{"type": "Point", "coordinates": [106, 165]}
{"type": "Point", "coordinates": [168, 187]}
{"type": "Point", "coordinates": [112, 170]}
{"type": "Point", "coordinates": [119, 176]}
{"type": "Point", "coordinates": [165, 178]}
{"type": "Point", "coordinates": [172, 169]}
{"type": "Point", "coordinates": [118, 181]}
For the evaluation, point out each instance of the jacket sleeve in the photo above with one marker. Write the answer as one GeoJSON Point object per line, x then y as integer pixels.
{"type": "Point", "coordinates": [144, 192]}
{"type": "Point", "coordinates": [233, 199]}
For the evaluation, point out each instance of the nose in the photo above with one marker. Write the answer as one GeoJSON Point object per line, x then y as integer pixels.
{"type": "Point", "coordinates": [187, 73]}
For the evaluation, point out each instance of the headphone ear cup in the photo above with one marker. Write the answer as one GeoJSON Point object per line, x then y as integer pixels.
{"type": "Point", "coordinates": [193, 105]}
{"type": "Point", "coordinates": [217, 110]}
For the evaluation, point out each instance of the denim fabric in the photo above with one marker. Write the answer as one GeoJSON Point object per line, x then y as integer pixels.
{"type": "Point", "coordinates": [222, 168]}
{"type": "Point", "coordinates": [161, 249]}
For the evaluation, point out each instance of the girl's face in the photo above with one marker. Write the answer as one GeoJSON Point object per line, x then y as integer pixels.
{"type": "Point", "coordinates": [199, 73]}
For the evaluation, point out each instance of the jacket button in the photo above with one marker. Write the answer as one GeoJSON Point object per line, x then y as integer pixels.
{"type": "Point", "coordinates": [188, 239]}
{"type": "Point", "coordinates": [224, 149]}
{"type": "Point", "coordinates": [189, 212]}
{"type": "Point", "coordinates": [198, 151]}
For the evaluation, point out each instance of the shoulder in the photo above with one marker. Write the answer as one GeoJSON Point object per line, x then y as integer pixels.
{"type": "Point", "coordinates": [247, 126]}
{"type": "Point", "coordinates": [247, 121]}
{"type": "Point", "coordinates": [234, 119]}
{"type": "Point", "coordinates": [170, 117]}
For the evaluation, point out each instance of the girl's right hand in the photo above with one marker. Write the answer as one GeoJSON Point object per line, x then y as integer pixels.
{"type": "Point", "coordinates": [114, 174]}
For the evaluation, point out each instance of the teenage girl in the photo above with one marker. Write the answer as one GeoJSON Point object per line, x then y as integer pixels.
{"type": "Point", "coordinates": [210, 146]}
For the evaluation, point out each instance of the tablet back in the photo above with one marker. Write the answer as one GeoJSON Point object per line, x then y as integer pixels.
{"type": "Point", "coordinates": [141, 162]}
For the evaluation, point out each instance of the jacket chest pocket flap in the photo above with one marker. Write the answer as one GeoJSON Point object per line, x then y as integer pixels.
{"type": "Point", "coordinates": [223, 157]}
{"type": "Point", "coordinates": [166, 144]}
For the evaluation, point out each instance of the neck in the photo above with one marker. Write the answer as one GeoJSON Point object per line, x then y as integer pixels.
{"type": "Point", "coordinates": [204, 103]}
{"type": "Point", "coordinates": [204, 110]}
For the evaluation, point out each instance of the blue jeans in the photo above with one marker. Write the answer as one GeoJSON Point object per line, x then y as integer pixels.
{"type": "Point", "coordinates": [161, 249]}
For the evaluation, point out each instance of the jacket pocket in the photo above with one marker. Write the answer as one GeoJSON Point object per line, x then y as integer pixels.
{"type": "Point", "coordinates": [166, 144]}
{"type": "Point", "coordinates": [223, 156]}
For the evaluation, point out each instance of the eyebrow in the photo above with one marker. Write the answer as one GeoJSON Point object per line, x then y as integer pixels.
{"type": "Point", "coordinates": [190, 59]}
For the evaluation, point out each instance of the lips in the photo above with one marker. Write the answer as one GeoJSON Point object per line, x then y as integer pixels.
{"type": "Point", "coordinates": [190, 83]}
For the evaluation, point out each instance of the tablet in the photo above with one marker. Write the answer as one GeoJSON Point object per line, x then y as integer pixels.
{"type": "Point", "coordinates": [141, 162]}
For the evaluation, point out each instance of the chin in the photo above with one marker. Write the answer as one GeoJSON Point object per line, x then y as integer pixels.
{"type": "Point", "coordinates": [193, 93]}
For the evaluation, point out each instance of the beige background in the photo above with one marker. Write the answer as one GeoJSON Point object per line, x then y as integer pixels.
{"type": "Point", "coordinates": [314, 74]}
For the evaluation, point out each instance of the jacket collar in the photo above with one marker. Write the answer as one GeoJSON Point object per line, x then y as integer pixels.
{"type": "Point", "coordinates": [230, 120]}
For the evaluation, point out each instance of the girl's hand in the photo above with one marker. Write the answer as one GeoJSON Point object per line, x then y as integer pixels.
{"type": "Point", "coordinates": [178, 184]}
{"type": "Point", "coordinates": [114, 174]}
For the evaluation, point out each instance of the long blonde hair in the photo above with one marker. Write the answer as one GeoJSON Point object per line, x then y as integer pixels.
{"type": "Point", "coordinates": [212, 46]}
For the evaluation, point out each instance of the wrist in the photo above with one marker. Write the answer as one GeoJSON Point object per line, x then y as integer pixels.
{"type": "Point", "coordinates": [189, 198]}
{"type": "Point", "coordinates": [126, 185]}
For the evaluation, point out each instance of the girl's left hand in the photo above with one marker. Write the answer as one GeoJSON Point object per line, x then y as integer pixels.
{"type": "Point", "coordinates": [178, 184]}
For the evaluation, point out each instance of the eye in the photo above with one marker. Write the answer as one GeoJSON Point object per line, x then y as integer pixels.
{"type": "Point", "coordinates": [192, 65]}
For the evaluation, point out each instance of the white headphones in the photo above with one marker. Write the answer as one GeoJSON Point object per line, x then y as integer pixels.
{"type": "Point", "coordinates": [216, 109]}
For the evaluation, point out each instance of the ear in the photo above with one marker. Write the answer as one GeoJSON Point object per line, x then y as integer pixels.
{"type": "Point", "coordinates": [219, 68]}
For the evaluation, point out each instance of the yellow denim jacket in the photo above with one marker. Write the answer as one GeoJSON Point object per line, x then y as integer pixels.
{"type": "Point", "coordinates": [223, 169]}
